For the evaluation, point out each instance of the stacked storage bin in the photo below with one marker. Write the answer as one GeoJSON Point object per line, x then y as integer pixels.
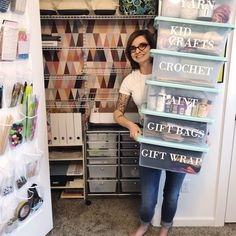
{"type": "Point", "coordinates": [186, 67]}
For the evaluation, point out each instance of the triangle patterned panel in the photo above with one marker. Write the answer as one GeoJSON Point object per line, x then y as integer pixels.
{"type": "Point", "coordinates": [51, 67]}
{"type": "Point", "coordinates": [61, 68]}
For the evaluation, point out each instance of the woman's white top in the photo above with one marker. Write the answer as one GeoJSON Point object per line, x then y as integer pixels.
{"type": "Point", "coordinates": [134, 85]}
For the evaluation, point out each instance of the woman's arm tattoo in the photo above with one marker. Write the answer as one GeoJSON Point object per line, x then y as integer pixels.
{"type": "Point", "coordinates": [122, 102]}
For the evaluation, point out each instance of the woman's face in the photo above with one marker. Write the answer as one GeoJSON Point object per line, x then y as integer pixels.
{"type": "Point", "coordinates": [140, 50]}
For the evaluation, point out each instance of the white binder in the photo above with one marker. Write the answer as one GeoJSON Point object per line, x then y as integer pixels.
{"type": "Point", "coordinates": [70, 132]}
{"type": "Point", "coordinates": [62, 128]}
{"type": "Point", "coordinates": [54, 128]}
{"type": "Point", "coordinates": [78, 129]}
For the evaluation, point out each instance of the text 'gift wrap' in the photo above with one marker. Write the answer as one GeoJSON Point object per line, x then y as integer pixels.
{"type": "Point", "coordinates": [168, 156]}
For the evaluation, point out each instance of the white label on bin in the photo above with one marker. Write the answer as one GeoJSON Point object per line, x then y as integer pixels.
{"type": "Point", "coordinates": [154, 154]}
{"type": "Point", "coordinates": [182, 37]}
{"type": "Point", "coordinates": [185, 68]}
{"type": "Point", "coordinates": [176, 129]}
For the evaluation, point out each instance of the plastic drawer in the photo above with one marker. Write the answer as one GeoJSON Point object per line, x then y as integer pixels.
{"type": "Point", "coordinates": [129, 171]}
{"type": "Point", "coordinates": [191, 36]}
{"type": "Point", "coordinates": [186, 68]}
{"type": "Point", "coordinates": [175, 130]}
{"type": "Point", "coordinates": [102, 171]}
{"type": "Point", "coordinates": [104, 144]}
{"type": "Point", "coordinates": [215, 11]}
{"type": "Point", "coordinates": [102, 152]}
{"type": "Point", "coordinates": [129, 160]}
{"type": "Point", "coordinates": [130, 186]}
{"type": "Point", "coordinates": [111, 137]}
{"type": "Point", "coordinates": [180, 99]}
{"type": "Point", "coordinates": [126, 137]}
{"type": "Point", "coordinates": [182, 158]}
{"type": "Point", "coordinates": [129, 152]}
{"type": "Point", "coordinates": [102, 186]}
{"type": "Point", "coordinates": [127, 145]}
{"type": "Point", "coordinates": [101, 161]}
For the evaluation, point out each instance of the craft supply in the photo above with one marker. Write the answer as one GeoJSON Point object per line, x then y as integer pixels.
{"type": "Point", "coordinates": [174, 108]}
{"type": "Point", "coordinates": [16, 134]}
{"type": "Point", "coordinates": [195, 108]}
{"type": "Point", "coordinates": [21, 181]}
{"type": "Point", "coordinates": [24, 93]}
{"type": "Point", "coordinates": [33, 119]}
{"type": "Point", "coordinates": [9, 32]}
{"type": "Point", "coordinates": [23, 210]}
{"type": "Point", "coordinates": [188, 110]}
{"type": "Point", "coordinates": [18, 6]}
{"type": "Point", "coordinates": [160, 106]}
{"type": "Point", "coordinates": [23, 45]}
{"type": "Point", "coordinates": [17, 88]}
{"type": "Point", "coordinates": [206, 10]}
{"type": "Point", "coordinates": [35, 201]}
{"type": "Point", "coordinates": [5, 133]}
{"type": "Point", "coordinates": [168, 103]}
{"type": "Point", "coordinates": [202, 110]}
{"type": "Point", "coordinates": [222, 13]}
{"type": "Point", "coordinates": [28, 107]}
{"type": "Point", "coordinates": [181, 107]}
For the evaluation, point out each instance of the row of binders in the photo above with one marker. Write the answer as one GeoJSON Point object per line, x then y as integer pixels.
{"type": "Point", "coordinates": [66, 129]}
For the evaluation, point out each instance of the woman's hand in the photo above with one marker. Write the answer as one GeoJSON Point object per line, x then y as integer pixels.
{"type": "Point", "coordinates": [134, 130]}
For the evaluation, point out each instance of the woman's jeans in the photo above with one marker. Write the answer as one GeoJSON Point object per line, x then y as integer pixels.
{"type": "Point", "coordinates": [150, 179]}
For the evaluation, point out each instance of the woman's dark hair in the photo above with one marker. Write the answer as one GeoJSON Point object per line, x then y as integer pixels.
{"type": "Point", "coordinates": [147, 35]}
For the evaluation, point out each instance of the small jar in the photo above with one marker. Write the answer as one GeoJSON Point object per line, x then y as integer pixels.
{"type": "Point", "coordinates": [168, 103]}
{"type": "Point", "coordinates": [195, 108]}
{"type": "Point", "coordinates": [181, 107]}
{"type": "Point", "coordinates": [202, 110]}
{"type": "Point", "coordinates": [206, 10]}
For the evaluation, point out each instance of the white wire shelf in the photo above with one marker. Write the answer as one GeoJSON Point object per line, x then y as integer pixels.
{"type": "Point", "coordinates": [97, 17]}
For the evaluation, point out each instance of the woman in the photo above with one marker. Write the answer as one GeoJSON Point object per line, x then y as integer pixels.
{"type": "Point", "coordinates": [138, 53]}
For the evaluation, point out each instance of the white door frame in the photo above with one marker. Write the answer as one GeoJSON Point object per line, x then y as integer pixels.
{"type": "Point", "coordinates": [228, 133]}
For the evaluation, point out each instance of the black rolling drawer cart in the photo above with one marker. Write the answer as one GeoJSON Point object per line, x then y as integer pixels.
{"type": "Point", "coordinates": [111, 162]}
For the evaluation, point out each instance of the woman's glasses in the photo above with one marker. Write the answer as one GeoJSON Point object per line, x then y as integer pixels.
{"type": "Point", "coordinates": [141, 47]}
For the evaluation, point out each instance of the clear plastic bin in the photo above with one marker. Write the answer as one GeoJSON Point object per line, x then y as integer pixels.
{"type": "Point", "coordinates": [125, 137]}
{"type": "Point", "coordinates": [170, 156]}
{"type": "Point", "coordinates": [208, 38]}
{"type": "Point", "coordinates": [102, 186]}
{"type": "Point", "coordinates": [130, 186]}
{"type": "Point", "coordinates": [102, 152]}
{"type": "Point", "coordinates": [129, 152]}
{"type": "Point", "coordinates": [175, 130]}
{"type": "Point", "coordinates": [102, 171]}
{"type": "Point", "coordinates": [103, 144]}
{"type": "Point", "coordinates": [129, 160]}
{"type": "Point", "coordinates": [180, 99]}
{"type": "Point", "coordinates": [214, 11]}
{"type": "Point", "coordinates": [102, 137]}
{"type": "Point", "coordinates": [186, 68]}
{"type": "Point", "coordinates": [129, 171]}
{"type": "Point", "coordinates": [102, 161]}
{"type": "Point", "coordinates": [127, 145]}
